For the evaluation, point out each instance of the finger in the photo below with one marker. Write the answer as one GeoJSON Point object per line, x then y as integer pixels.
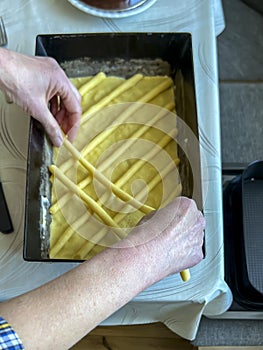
{"type": "Point", "coordinates": [54, 105]}
{"type": "Point", "coordinates": [76, 92]}
{"type": "Point", "coordinates": [51, 126]}
{"type": "Point", "coordinates": [70, 103]}
{"type": "Point", "coordinates": [70, 125]}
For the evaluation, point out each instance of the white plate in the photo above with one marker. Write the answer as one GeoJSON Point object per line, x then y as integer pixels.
{"type": "Point", "coordinates": [133, 10]}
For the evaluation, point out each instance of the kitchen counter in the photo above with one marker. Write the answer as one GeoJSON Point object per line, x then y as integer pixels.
{"type": "Point", "coordinates": [178, 305]}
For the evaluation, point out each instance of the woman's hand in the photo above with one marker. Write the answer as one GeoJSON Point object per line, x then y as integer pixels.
{"type": "Point", "coordinates": [172, 237]}
{"type": "Point", "coordinates": [35, 82]}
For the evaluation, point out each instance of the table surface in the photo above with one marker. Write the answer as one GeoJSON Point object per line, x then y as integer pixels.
{"type": "Point", "coordinates": [179, 305]}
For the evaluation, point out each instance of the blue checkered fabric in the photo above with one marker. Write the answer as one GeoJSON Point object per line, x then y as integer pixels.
{"type": "Point", "coordinates": [9, 340]}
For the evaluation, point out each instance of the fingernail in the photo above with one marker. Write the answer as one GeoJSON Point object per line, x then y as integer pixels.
{"type": "Point", "coordinates": [58, 140]}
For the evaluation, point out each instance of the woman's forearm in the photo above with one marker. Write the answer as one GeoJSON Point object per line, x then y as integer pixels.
{"type": "Point", "coordinates": [5, 68]}
{"type": "Point", "coordinates": [58, 314]}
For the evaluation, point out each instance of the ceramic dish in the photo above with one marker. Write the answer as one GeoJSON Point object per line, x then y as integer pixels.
{"type": "Point", "coordinates": [114, 11]}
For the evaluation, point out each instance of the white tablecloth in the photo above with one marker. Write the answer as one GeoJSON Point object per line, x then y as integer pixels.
{"type": "Point", "coordinates": [179, 305]}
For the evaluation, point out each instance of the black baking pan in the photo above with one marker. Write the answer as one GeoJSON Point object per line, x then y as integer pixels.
{"type": "Point", "coordinates": [243, 232]}
{"type": "Point", "coordinates": [67, 49]}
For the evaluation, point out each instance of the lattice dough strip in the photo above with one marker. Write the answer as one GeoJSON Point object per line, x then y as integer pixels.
{"type": "Point", "coordinates": [126, 85]}
{"type": "Point", "coordinates": [115, 155]}
{"type": "Point", "coordinates": [106, 182]}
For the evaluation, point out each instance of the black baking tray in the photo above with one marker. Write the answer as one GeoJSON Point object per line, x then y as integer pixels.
{"type": "Point", "coordinates": [243, 233]}
{"type": "Point", "coordinates": [175, 48]}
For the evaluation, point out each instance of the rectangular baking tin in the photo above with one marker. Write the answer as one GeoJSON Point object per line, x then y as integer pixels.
{"type": "Point", "coordinates": [175, 48]}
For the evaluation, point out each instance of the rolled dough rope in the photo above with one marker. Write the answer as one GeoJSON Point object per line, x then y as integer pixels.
{"type": "Point", "coordinates": [185, 274]}
{"type": "Point", "coordinates": [69, 233]}
{"type": "Point", "coordinates": [132, 139]}
{"type": "Point", "coordinates": [104, 181]}
{"type": "Point", "coordinates": [147, 157]}
{"type": "Point", "coordinates": [142, 130]}
{"type": "Point", "coordinates": [66, 235]}
{"type": "Point", "coordinates": [156, 91]}
{"type": "Point", "coordinates": [162, 143]}
{"type": "Point", "coordinates": [124, 116]}
{"type": "Point", "coordinates": [59, 203]}
{"type": "Point", "coordinates": [128, 112]}
{"type": "Point", "coordinates": [62, 240]}
{"type": "Point", "coordinates": [144, 99]}
{"type": "Point", "coordinates": [115, 155]}
{"type": "Point", "coordinates": [92, 83]}
{"type": "Point", "coordinates": [140, 163]}
{"type": "Point", "coordinates": [87, 199]}
{"type": "Point", "coordinates": [86, 248]}
{"type": "Point", "coordinates": [126, 85]}
{"type": "Point", "coordinates": [152, 184]}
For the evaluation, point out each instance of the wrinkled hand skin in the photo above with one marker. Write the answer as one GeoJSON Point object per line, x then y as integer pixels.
{"type": "Point", "coordinates": [37, 84]}
{"type": "Point", "coordinates": [172, 237]}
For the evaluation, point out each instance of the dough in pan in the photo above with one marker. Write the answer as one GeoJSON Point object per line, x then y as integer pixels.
{"type": "Point", "coordinates": [130, 143]}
